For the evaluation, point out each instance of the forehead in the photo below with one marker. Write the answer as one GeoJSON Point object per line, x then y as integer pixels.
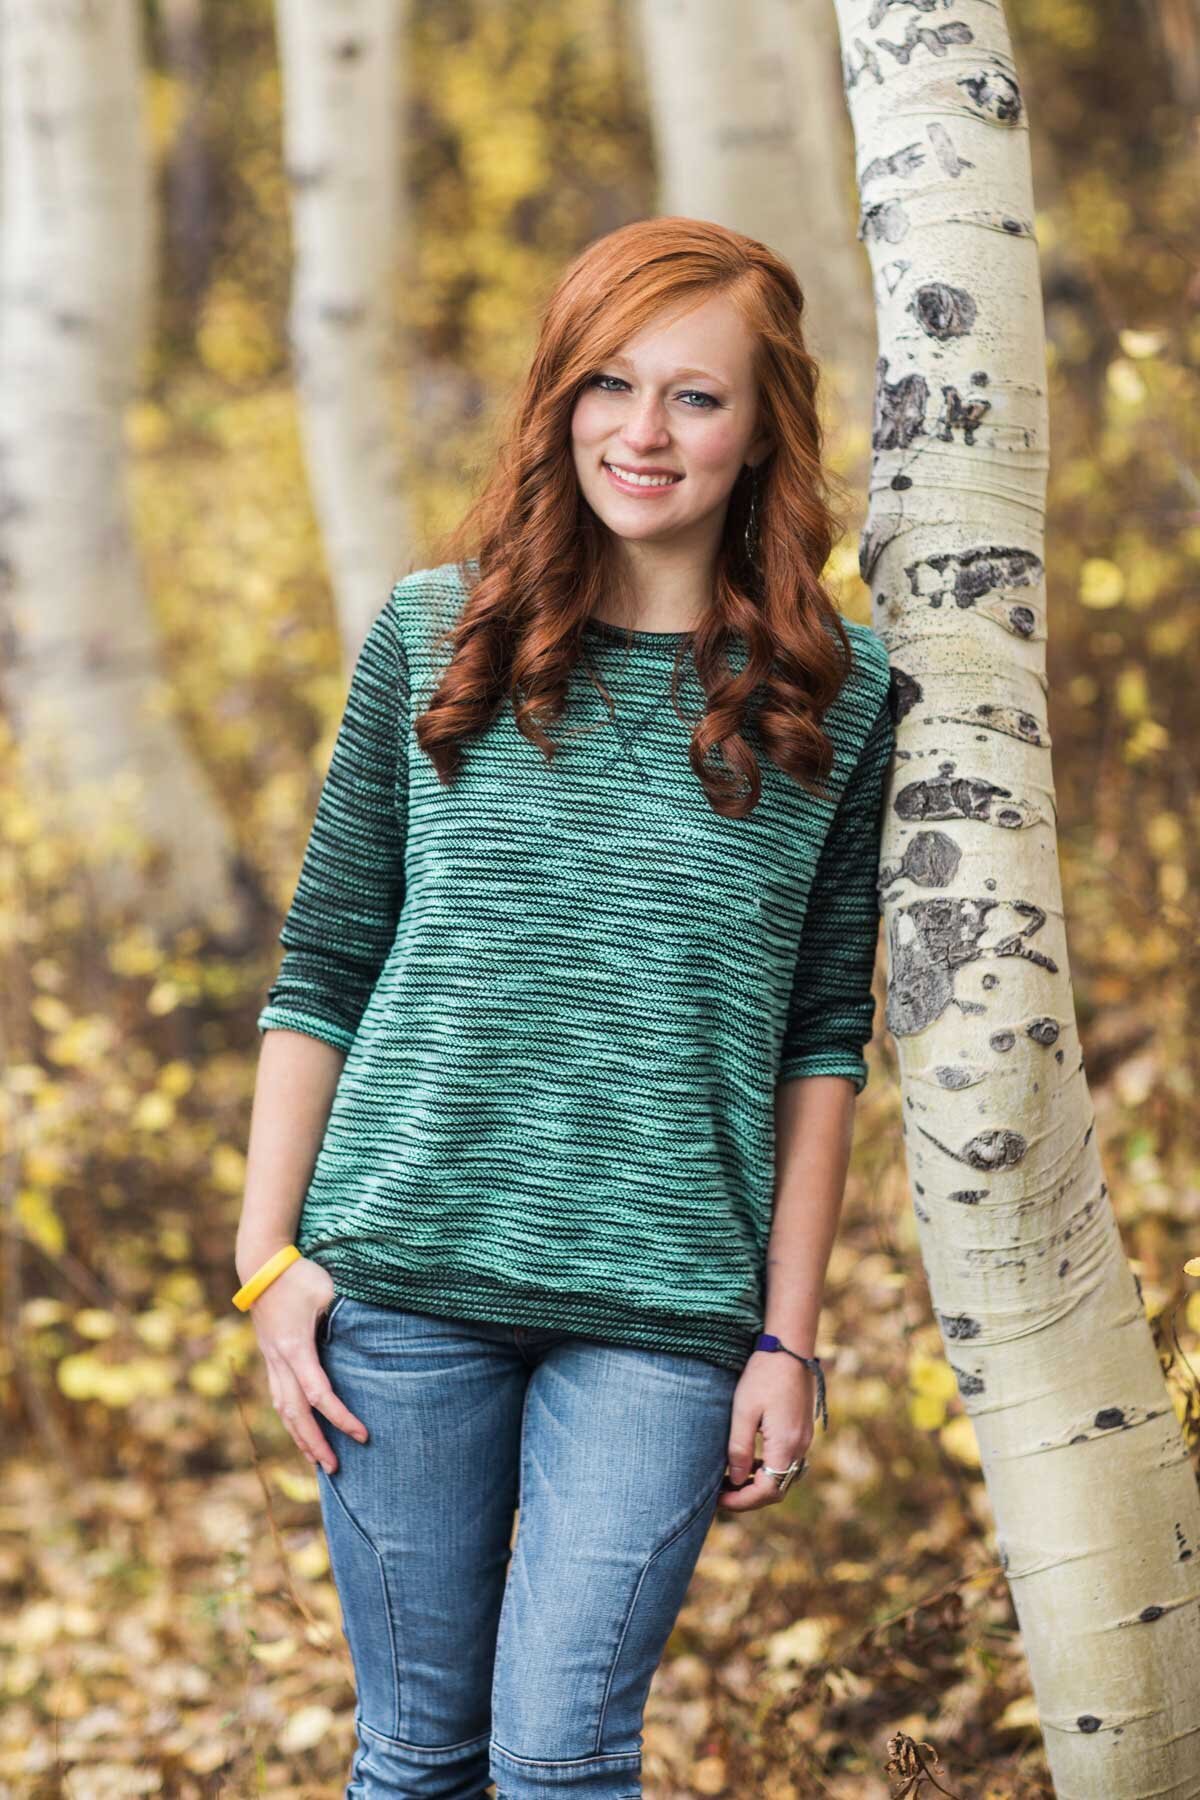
{"type": "Point", "coordinates": [708, 339]}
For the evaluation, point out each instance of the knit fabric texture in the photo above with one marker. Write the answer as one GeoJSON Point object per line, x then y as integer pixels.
{"type": "Point", "coordinates": [566, 992]}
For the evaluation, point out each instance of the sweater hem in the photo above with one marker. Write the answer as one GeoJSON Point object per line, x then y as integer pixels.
{"type": "Point", "coordinates": [472, 1294]}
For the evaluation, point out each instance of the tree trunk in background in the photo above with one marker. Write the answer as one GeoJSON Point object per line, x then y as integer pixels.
{"type": "Point", "coordinates": [81, 675]}
{"type": "Point", "coordinates": [1095, 1501]}
{"type": "Point", "coordinates": [343, 154]}
{"type": "Point", "coordinates": [750, 131]}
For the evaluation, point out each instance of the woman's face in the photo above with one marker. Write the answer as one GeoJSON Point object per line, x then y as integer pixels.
{"type": "Point", "coordinates": [679, 399]}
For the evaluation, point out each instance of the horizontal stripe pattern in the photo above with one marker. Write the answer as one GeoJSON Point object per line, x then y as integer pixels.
{"type": "Point", "coordinates": [566, 993]}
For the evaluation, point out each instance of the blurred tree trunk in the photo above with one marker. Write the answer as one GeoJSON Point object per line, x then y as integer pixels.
{"type": "Point", "coordinates": [1094, 1497]}
{"type": "Point", "coordinates": [81, 676]}
{"type": "Point", "coordinates": [750, 131]}
{"type": "Point", "coordinates": [342, 88]}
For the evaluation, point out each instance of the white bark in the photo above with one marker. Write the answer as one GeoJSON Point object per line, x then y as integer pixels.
{"type": "Point", "coordinates": [750, 132]}
{"type": "Point", "coordinates": [1095, 1501]}
{"type": "Point", "coordinates": [80, 669]}
{"type": "Point", "coordinates": [342, 146]}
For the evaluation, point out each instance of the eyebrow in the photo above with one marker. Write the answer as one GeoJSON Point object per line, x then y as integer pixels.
{"type": "Point", "coordinates": [704, 374]}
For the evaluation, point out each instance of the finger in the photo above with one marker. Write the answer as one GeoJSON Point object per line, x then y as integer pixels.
{"type": "Point", "coordinates": [318, 1391]}
{"type": "Point", "coordinates": [297, 1415]}
{"type": "Point", "coordinates": [743, 1428]}
{"type": "Point", "coordinates": [759, 1490]}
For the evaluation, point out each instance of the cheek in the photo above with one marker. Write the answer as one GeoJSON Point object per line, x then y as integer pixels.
{"type": "Point", "coordinates": [586, 422]}
{"type": "Point", "coordinates": [715, 452]}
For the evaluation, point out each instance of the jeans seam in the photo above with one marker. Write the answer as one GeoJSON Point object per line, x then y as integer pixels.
{"type": "Point", "coordinates": [567, 1762]}
{"type": "Point", "coordinates": [631, 1608]}
{"type": "Point", "coordinates": [383, 1583]}
{"type": "Point", "coordinates": [481, 1737]}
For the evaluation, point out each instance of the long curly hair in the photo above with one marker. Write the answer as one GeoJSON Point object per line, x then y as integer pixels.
{"type": "Point", "coordinates": [543, 561]}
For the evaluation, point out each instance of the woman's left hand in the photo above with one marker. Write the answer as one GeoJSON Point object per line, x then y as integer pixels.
{"type": "Point", "coordinates": [775, 1395]}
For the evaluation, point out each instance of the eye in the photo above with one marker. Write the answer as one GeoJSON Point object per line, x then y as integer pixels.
{"type": "Point", "coordinates": [695, 393]}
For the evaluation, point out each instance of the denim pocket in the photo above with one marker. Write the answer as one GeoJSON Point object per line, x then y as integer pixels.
{"type": "Point", "coordinates": [325, 1322]}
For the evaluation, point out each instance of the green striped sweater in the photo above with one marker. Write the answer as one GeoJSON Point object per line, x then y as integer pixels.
{"type": "Point", "coordinates": [566, 993]}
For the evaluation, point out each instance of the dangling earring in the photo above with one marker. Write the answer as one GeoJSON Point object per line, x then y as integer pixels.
{"type": "Point", "coordinates": [751, 532]}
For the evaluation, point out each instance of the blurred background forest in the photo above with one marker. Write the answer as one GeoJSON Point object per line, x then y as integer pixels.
{"type": "Point", "coordinates": [168, 1623]}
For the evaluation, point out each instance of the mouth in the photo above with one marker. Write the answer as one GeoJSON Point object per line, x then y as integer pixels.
{"type": "Point", "coordinates": [628, 483]}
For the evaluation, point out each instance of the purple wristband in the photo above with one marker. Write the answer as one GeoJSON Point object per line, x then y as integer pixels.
{"type": "Point", "coordinates": [766, 1340]}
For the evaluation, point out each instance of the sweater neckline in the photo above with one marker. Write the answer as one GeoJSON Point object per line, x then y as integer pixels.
{"type": "Point", "coordinates": [607, 633]}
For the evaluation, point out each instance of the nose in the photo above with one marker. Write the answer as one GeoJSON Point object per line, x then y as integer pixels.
{"type": "Point", "coordinates": [646, 428]}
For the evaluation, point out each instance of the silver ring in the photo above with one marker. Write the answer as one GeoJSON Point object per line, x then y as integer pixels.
{"type": "Point", "coordinates": [785, 1477]}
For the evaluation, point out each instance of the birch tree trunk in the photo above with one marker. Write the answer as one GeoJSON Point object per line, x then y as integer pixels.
{"type": "Point", "coordinates": [1095, 1501]}
{"type": "Point", "coordinates": [750, 131]}
{"type": "Point", "coordinates": [80, 668]}
{"type": "Point", "coordinates": [342, 150]}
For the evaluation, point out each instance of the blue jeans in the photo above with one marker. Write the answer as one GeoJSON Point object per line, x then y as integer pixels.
{"type": "Point", "coordinates": [476, 1661]}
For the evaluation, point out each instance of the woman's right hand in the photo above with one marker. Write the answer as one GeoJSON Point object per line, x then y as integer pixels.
{"type": "Point", "coordinates": [285, 1318]}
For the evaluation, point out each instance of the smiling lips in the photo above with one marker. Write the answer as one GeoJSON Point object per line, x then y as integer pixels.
{"type": "Point", "coordinates": [630, 482]}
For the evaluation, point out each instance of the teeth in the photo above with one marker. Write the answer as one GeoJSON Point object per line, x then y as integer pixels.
{"type": "Point", "coordinates": [643, 480]}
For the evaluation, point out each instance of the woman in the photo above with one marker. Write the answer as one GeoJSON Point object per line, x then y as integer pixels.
{"type": "Point", "coordinates": [557, 1089]}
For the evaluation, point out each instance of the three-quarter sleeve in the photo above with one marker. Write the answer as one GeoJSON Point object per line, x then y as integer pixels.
{"type": "Point", "coordinates": [832, 1008]}
{"type": "Point", "coordinates": [342, 919]}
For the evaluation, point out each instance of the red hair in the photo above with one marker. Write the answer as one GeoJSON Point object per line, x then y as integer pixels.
{"type": "Point", "coordinates": [544, 562]}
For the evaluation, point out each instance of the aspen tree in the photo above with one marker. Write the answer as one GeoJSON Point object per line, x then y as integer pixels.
{"type": "Point", "coordinates": [750, 131]}
{"type": "Point", "coordinates": [342, 74]}
{"type": "Point", "coordinates": [1094, 1498]}
{"type": "Point", "coordinates": [81, 669]}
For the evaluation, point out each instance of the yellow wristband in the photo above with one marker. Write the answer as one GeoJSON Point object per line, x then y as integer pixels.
{"type": "Point", "coordinates": [263, 1277]}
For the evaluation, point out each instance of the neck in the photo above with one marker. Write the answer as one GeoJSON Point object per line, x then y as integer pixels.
{"type": "Point", "coordinates": [655, 587]}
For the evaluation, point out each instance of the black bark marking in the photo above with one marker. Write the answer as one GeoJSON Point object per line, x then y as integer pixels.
{"type": "Point", "coordinates": [995, 93]}
{"type": "Point", "coordinates": [1000, 1041]}
{"type": "Point", "coordinates": [945, 934]}
{"type": "Point", "coordinates": [997, 1149]}
{"type": "Point", "coordinates": [1063, 1266]}
{"type": "Point", "coordinates": [990, 981]}
{"type": "Point", "coordinates": [1181, 1543]}
{"type": "Point", "coordinates": [885, 223]}
{"type": "Point", "coordinates": [1109, 1418]}
{"type": "Point", "coordinates": [920, 37]}
{"type": "Point", "coordinates": [880, 7]}
{"type": "Point", "coordinates": [1148, 1614]}
{"type": "Point", "coordinates": [868, 64]}
{"type": "Point", "coordinates": [1023, 620]}
{"type": "Point", "coordinates": [967, 576]}
{"type": "Point", "coordinates": [958, 1325]}
{"type": "Point", "coordinates": [969, 1196]}
{"type": "Point", "coordinates": [949, 161]}
{"type": "Point", "coordinates": [953, 1078]}
{"type": "Point", "coordinates": [943, 312]}
{"type": "Point", "coordinates": [930, 860]}
{"type": "Point", "coordinates": [1088, 1722]}
{"type": "Point", "coordinates": [1012, 720]}
{"type": "Point", "coordinates": [959, 797]}
{"type": "Point", "coordinates": [959, 414]}
{"type": "Point", "coordinates": [969, 1384]}
{"type": "Point", "coordinates": [908, 160]}
{"type": "Point", "coordinates": [906, 691]}
{"type": "Point", "coordinates": [1000, 1148]}
{"type": "Point", "coordinates": [899, 409]}
{"type": "Point", "coordinates": [1044, 1032]}
{"type": "Point", "coordinates": [1016, 945]}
